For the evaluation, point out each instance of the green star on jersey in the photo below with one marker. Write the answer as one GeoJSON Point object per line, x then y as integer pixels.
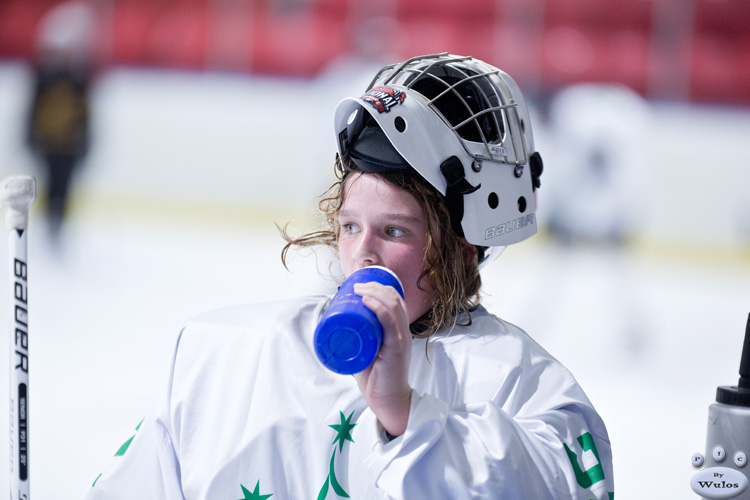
{"type": "Point", "coordinates": [344, 430]}
{"type": "Point", "coordinates": [254, 495]}
{"type": "Point", "coordinates": [343, 434]}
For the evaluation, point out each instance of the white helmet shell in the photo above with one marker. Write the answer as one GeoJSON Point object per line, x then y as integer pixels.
{"type": "Point", "coordinates": [463, 125]}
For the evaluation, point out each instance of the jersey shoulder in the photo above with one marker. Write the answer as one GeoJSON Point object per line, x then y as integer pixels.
{"type": "Point", "coordinates": [258, 315]}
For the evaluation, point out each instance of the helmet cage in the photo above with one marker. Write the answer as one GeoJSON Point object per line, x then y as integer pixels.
{"type": "Point", "coordinates": [499, 108]}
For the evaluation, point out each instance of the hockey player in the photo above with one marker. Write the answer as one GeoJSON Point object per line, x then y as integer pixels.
{"type": "Point", "coordinates": [437, 172]}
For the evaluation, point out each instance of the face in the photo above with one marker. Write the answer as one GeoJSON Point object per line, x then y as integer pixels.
{"type": "Point", "coordinates": [383, 225]}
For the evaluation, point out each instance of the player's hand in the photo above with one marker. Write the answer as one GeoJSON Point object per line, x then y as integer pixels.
{"type": "Point", "coordinates": [385, 384]}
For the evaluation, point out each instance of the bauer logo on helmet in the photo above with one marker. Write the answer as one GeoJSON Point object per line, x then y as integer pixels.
{"type": "Point", "coordinates": [510, 226]}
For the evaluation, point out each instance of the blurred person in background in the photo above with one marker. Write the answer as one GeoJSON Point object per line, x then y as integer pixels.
{"type": "Point", "coordinates": [596, 184]}
{"type": "Point", "coordinates": [595, 198]}
{"type": "Point", "coordinates": [59, 116]}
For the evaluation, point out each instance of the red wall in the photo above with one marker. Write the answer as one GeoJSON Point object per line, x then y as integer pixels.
{"type": "Point", "coordinates": [681, 49]}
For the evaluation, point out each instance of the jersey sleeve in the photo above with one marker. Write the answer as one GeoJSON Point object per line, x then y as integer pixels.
{"type": "Point", "coordinates": [480, 451]}
{"type": "Point", "coordinates": [146, 465]}
{"type": "Point", "coordinates": [501, 418]}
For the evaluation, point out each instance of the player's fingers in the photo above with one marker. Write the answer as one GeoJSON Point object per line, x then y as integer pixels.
{"type": "Point", "coordinates": [386, 303]}
{"type": "Point", "coordinates": [384, 298]}
{"type": "Point", "coordinates": [384, 292]}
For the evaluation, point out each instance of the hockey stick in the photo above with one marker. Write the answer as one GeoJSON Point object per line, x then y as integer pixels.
{"type": "Point", "coordinates": [16, 194]}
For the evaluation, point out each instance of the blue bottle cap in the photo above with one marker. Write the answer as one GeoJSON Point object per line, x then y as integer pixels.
{"type": "Point", "coordinates": [348, 342]}
{"type": "Point", "coordinates": [349, 335]}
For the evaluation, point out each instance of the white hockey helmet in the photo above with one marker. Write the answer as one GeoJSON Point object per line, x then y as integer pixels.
{"type": "Point", "coordinates": [461, 124]}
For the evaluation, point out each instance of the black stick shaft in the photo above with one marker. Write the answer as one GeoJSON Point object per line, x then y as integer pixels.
{"type": "Point", "coordinates": [745, 360]}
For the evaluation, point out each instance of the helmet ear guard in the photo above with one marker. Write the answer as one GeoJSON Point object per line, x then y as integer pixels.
{"type": "Point", "coordinates": [463, 126]}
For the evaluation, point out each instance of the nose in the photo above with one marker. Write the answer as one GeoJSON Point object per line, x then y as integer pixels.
{"type": "Point", "coordinates": [366, 252]}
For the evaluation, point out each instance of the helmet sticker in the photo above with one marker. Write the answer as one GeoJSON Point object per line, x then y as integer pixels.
{"type": "Point", "coordinates": [383, 98]}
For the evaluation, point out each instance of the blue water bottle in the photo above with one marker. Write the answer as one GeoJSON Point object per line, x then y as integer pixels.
{"type": "Point", "coordinates": [349, 335]}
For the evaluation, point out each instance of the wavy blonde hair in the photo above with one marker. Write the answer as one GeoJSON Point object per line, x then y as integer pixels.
{"type": "Point", "coordinates": [451, 270]}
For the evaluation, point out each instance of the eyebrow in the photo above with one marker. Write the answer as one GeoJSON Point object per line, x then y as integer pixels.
{"type": "Point", "coordinates": [396, 217]}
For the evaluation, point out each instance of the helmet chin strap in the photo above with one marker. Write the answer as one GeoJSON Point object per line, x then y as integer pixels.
{"type": "Point", "coordinates": [457, 186]}
{"type": "Point", "coordinates": [537, 167]}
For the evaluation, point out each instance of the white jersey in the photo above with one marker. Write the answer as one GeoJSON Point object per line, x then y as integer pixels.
{"type": "Point", "coordinates": [250, 413]}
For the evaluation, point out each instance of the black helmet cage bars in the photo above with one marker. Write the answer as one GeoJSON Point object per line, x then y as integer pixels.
{"type": "Point", "coordinates": [494, 105]}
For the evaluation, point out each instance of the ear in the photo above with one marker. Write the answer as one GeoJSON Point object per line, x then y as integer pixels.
{"type": "Point", "coordinates": [470, 251]}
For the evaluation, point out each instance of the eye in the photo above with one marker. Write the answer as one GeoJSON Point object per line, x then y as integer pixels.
{"type": "Point", "coordinates": [395, 232]}
{"type": "Point", "coordinates": [349, 228]}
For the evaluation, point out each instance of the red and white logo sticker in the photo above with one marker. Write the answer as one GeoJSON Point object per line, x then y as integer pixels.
{"type": "Point", "coordinates": [383, 98]}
